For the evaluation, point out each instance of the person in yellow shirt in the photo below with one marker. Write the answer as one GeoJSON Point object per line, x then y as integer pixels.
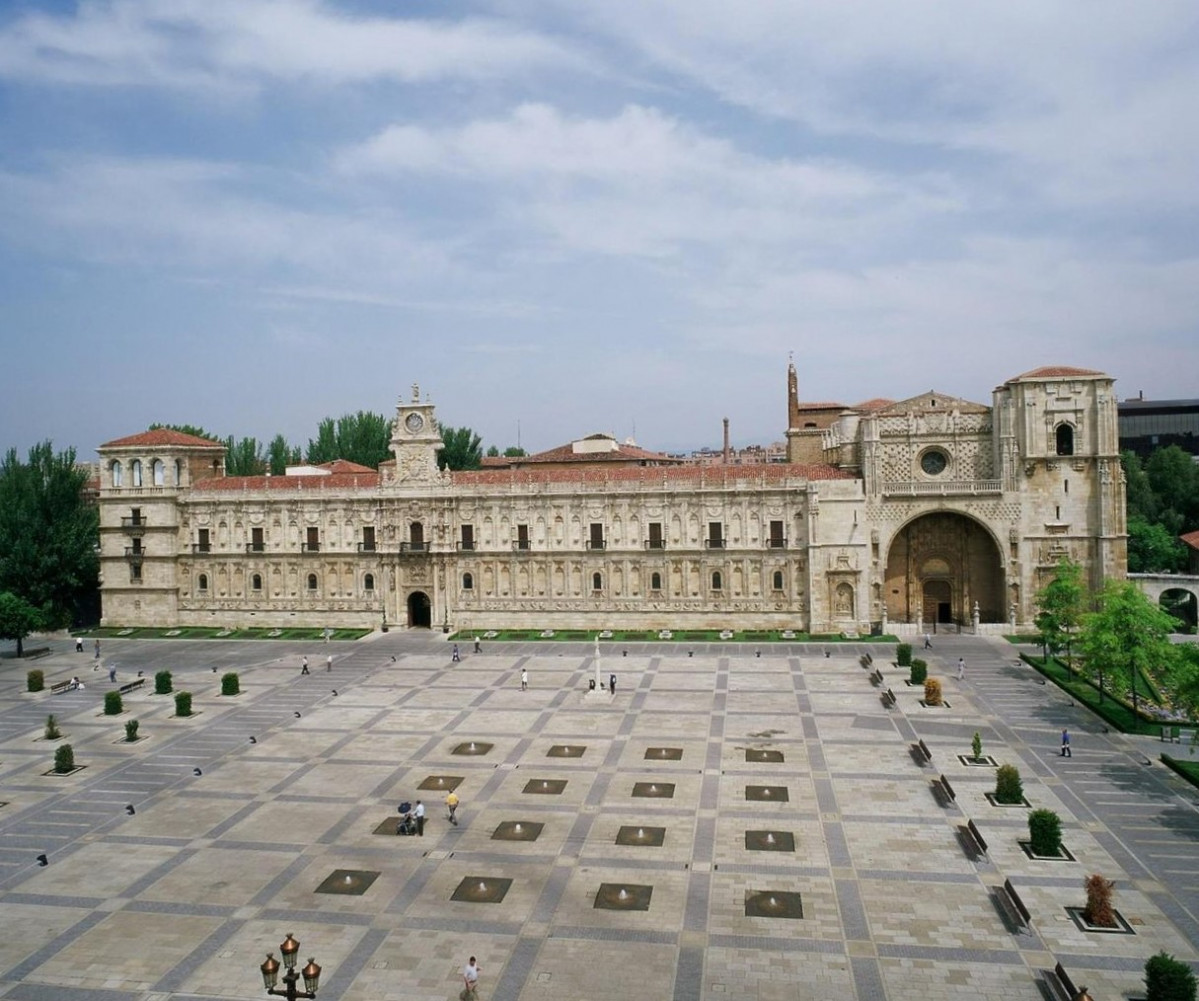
{"type": "Point", "coordinates": [451, 801]}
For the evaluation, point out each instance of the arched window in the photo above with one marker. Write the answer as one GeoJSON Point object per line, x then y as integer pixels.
{"type": "Point", "coordinates": [597, 582]}
{"type": "Point", "coordinates": [1065, 439]}
{"type": "Point", "coordinates": [655, 582]}
{"type": "Point", "coordinates": [135, 472]}
{"type": "Point", "coordinates": [368, 582]}
{"type": "Point", "coordinates": [312, 582]}
{"type": "Point", "coordinates": [416, 536]}
{"type": "Point", "coordinates": [468, 582]}
{"type": "Point", "coordinates": [202, 582]}
{"type": "Point", "coordinates": [256, 582]}
{"type": "Point", "coordinates": [158, 473]}
{"type": "Point", "coordinates": [717, 582]}
{"type": "Point", "coordinates": [118, 474]}
{"type": "Point", "coordinates": [778, 580]}
{"type": "Point", "coordinates": [178, 472]}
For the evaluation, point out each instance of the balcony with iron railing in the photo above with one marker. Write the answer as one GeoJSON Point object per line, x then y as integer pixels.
{"type": "Point", "coordinates": [310, 547]}
{"type": "Point", "coordinates": [414, 547]}
{"type": "Point", "coordinates": [776, 543]}
{"type": "Point", "coordinates": [466, 546]}
{"type": "Point", "coordinates": [521, 545]}
{"type": "Point", "coordinates": [597, 544]}
{"type": "Point", "coordinates": [714, 543]}
{"type": "Point", "coordinates": [367, 547]}
{"type": "Point", "coordinates": [201, 548]}
{"type": "Point", "coordinates": [134, 526]}
{"type": "Point", "coordinates": [134, 554]}
{"type": "Point", "coordinates": [255, 547]}
{"type": "Point", "coordinates": [655, 544]}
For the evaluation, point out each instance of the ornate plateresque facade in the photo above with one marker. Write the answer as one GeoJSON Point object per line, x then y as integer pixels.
{"type": "Point", "coordinates": [886, 514]}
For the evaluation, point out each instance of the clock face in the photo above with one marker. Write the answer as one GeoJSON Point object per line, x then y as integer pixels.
{"type": "Point", "coordinates": [933, 462]}
{"type": "Point", "coordinates": [414, 422]}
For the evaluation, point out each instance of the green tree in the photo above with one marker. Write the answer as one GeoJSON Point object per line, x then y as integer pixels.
{"type": "Point", "coordinates": [1060, 604]}
{"type": "Point", "coordinates": [463, 449]}
{"type": "Point", "coordinates": [1126, 636]}
{"type": "Point", "coordinates": [48, 533]}
{"type": "Point", "coordinates": [1140, 501]}
{"type": "Point", "coordinates": [1152, 548]}
{"type": "Point", "coordinates": [364, 438]}
{"type": "Point", "coordinates": [514, 451]}
{"type": "Point", "coordinates": [280, 455]}
{"type": "Point", "coordinates": [191, 429]}
{"type": "Point", "coordinates": [1174, 478]}
{"type": "Point", "coordinates": [18, 619]}
{"type": "Point", "coordinates": [243, 457]}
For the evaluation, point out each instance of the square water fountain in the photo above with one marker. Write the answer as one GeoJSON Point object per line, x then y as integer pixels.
{"type": "Point", "coordinates": [545, 787]}
{"type": "Point", "coordinates": [663, 754]}
{"type": "Point", "coordinates": [646, 837]}
{"type": "Point", "coordinates": [442, 783]}
{"type": "Point", "coordinates": [349, 882]}
{"type": "Point", "coordinates": [566, 751]}
{"type": "Point", "coordinates": [517, 830]}
{"type": "Point", "coordinates": [481, 890]}
{"type": "Point", "coordinates": [472, 747]}
{"type": "Point", "coordinates": [623, 897]}
{"type": "Point", "coordinates": [773, 904]}
{"type": "Point", "coordinates": [653, 790]}
{"type": "Point", "coordinates": [759, 754]}
{"type": "Point", "coordinates": [767, 794]}
{"type": "Point", "coordinates": [769, 841]}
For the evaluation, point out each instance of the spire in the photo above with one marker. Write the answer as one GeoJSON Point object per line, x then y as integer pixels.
{"type": "Point", "coordinates": [792, 393]}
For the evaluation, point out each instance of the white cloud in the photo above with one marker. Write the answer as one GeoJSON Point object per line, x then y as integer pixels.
{"type": "Point", "coordinates": [238, 43]}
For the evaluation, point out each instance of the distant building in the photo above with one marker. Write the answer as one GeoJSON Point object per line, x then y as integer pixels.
{"type": "Point", "coordinates": [1149, 424]}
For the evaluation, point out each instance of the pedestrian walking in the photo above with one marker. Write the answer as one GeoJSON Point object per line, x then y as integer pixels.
{"type": "Point", "coordinates": [928, 642]}
{"type": "Point", "coordinates": [304, 666]}
{"type": "Point", "coordinates": [1066, 752]}
{"type": "Point", "coordinates": [456, 657]}
{"type": "Point", "coordinates": [419, 814]}
{"type": "Point", "coordinates": [329, 663]}
{"type": "Point", "coordinates": [478, 645]}
{"type": "Point", "coordinates": [524, 679]}
{"type": "Point", "coordinates": [612, 684]}
{"type": "Point", "coordinates": [961, 668]}
{"type": "Point", "coordinates": [451, 802]}
{"type": "Point", "coordinates": [79, 644]}
{"type": "Point", "coordinates": [97, 648]}
{"type": "Point", "coordinates": [112, 673]}
{"type": "Point", "coordinates": [470, 980]}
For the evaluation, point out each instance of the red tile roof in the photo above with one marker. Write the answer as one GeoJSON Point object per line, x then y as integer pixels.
{"type": "Point", "coordinates": [713, 475]}
{"type": "Point", "coordinates": [334, 481]}
{"type": "Point", "coordinates": [566, 453]}
{"type": "Point", "coordinates": [802, 406]}
{"type": "Point", "coordinates": [1057, 372]}
{"type": "Point", "coordinates": [878, 403]}
{"type": "Point", "coordinates": [345, 466]}
{"type": "Point", "coordinates": [159, 437]}
{"type": "Point", "coordinates": [1191, 539]}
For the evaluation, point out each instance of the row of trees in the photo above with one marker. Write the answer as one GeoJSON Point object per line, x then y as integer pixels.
{"type": "Point", "coordinates": [363, 438]}
{"type": "Point", "coordinates": [1121, 635]}
{"type": "Point", "coordinates": [49, 566]}
{"type": "Point", "coordinates": [1163, 503]}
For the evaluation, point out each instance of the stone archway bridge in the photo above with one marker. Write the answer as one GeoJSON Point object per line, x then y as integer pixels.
{"type": "Point", "coordinates": [1153, 585]}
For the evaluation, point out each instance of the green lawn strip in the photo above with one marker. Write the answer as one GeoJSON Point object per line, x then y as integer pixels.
{"type": "Point", "coordinates": [1111, 709]}
{"type": "Point", "coordinates": [1022, 640]}
{"type": "Point", "coordinates": [1189, 770]}
{"type": "Point", "coordinates": [214, 632]}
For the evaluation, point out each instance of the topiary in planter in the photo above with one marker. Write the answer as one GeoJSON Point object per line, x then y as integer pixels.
{"type": "Point", "coordinates": [131, 731]}
{"type": "Point", "coordinates": [52, 730]}
{"type": "Point", "coordinates": [903, 654]}
{"type": "Point", "coordinates": [1168, 979]}
{"type": "Point", "coordinates": [976, 746]}
{"type": "Point", "coordinates": [64, 759]}
{"type": "Point", "coordinates": [932, 692]}
{"type": "Point", "coordinates": [1008, 787]}
{"type": "Point", "coordinates": [162, 683]}
{"type": "Point", "coordinates": [183, 703]}
{"type": "Point", "coordinates": [918, 671]}
{"type": "Point", "coordinates": [35, 680]}
{"type": "Point", "coordinates": [1099, 911]}
{"type": "Point", "coordinates": [1045, 833]}
{"type": "Point", "coordinates": [230, 685]}
{"type": "Point", "coordinates": [113, 705]}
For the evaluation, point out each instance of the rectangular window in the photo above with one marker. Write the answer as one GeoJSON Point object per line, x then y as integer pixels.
{"type": "Point", "coordinates": [368, 538]}
{"type": "Point", "coordinates": [135, 571]}
{"type": "Point", "coordinates": [596, 539]}
{"type": "Point", "coordinates": [655, 535]}
{"type": "Point", "coordinates": [715, 535]}
{"type": "Point", "coordinates": [136, 548]}
{"type": "Point", "coordinates": [468, 537]}
{"type": "Point", "coordinates": [776, 535]}
{"type": "Point", "coordinates": [135, 516]}
{"type": "Point", "coordinates": [313, 543]}
{"type": "Point", "coordinates": [203, 545]}
{"type": "Point", "coordinates": [522, 536]}
{"type": "Point", "coordinates": [257, 544]}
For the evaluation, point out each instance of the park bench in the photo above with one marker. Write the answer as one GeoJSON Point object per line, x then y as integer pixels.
{"type": "Point", "coordinates": [948, 789]}
{"type": "Point", "coordinates": [1064, 987]}
{"type": "Point", "coordinates": [888, 698]}
{"type": "Point", "coordinates": [130, 686]}
{"type": "Point", "coordinates": [1014, 905]}
{"type": "Point", "coordinates": [61, 686]}
{"type": "Point", "coordinates": [1171, 735]}
{"type": "Point", "coordinates": [977, 836]}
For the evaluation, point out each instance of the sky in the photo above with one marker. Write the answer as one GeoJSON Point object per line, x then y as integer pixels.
{"type": "Point", "coordinates": [559, 217]}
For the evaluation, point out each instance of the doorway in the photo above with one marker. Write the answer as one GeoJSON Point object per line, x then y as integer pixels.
{"type": "Point", "coordinates": [420, 613]}
{"type": "Point", "coordinates": [938, 602]}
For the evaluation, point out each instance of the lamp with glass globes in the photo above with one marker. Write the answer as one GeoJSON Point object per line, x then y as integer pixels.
{"type": "Point", "coordinates": [270, 972]}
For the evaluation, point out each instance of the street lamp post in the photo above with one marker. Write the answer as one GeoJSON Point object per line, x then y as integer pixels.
{"type": "Point", "coordinates": [270, 972]}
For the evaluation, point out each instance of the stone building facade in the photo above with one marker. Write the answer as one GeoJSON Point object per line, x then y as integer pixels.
{"type": "Point", "coordinates": [931, 510]}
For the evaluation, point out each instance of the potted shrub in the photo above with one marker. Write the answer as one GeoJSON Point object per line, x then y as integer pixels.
{"type": "Point", "coordinates": [113, 705]}
{"type": "Point", "coordinates": [1168, 979]}
{"type": "Point", "coordinates": [35, 680]}
{"type": "Point", "coordinates": [64, 760]}
{"type": "Point", "coordinates": [1045, 833]}
{"type": "Point", "coordinates": [1008, 787]}
{"type": "Point", "coordinates": [932, 692]}
{"type": "Point", "coordinates": [162, 683]}
{"type": "Point", "coordinates": [183, 703]}
{"type": "Point", "coordinates": [903, 654]}
{"type": "Point", "coordinates": [1099, 911]}
{"type": "Point", "coordinates": [230, 684]}
{"type": "Point", "coordinates": [52, 730]}
{"type": "Point", "coordinates": [918, 671]}
{"type": "Point", "coordinates": [976, 747]}
{"type": "Point", "coordinates": [131, 731]}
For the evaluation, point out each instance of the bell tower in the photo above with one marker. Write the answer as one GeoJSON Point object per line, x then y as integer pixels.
{"type": "Point", "coordinates": [415, 441]}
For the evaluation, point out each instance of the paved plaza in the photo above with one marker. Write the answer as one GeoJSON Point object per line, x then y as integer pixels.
{"type": "Point", "coordinates": [754, 825]}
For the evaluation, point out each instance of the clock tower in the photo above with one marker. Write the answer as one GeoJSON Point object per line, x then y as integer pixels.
{"type": "Point", "coordinates": [415, 441]}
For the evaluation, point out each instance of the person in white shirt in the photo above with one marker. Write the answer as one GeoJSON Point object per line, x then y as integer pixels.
{"type": "Point", "coordinates": [470, 977]}
{"type": "Point", "coordinates": [419, 814]}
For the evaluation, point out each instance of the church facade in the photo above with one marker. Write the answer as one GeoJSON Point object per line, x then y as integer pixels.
{"type": "Point", "coordinates": [887, 514]}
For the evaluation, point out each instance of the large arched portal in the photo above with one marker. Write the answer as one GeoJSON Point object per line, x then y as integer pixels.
{"type": "Point", "coordinates": [938, 566]}
{"type": "Point", "coordinates": [1183, 605]}
{"type": "Point", "coordinates": [420, 614]}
